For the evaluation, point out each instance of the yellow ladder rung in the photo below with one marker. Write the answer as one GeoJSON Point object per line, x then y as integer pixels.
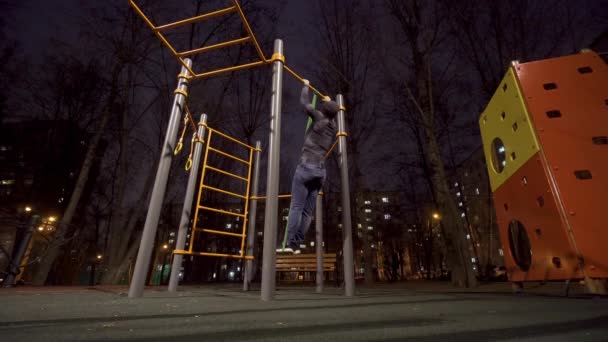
{"type": "Point", "coordinates": [231, 138]}
{"type": "Point", "coordinates": [195, 19]}
{"type": "Point", "coordinates": [228, 155]}
{"type": "Point", "coordinates": [227, 173]}
{"type": "Point", "coordinates": [223, 191]}
{"type": "Point", "coordinates": [236, 256]}
{"type": "Point", "coordinates": [211, 231]}
{"type": "Point", "coordinates": [221, 211]}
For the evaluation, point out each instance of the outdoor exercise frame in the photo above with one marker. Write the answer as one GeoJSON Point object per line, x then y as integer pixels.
{"type": "Point", "coordinates": [270, 222]}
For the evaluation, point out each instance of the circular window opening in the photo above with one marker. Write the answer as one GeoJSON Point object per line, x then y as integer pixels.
{"type": "Point", "coordinates": [520, 245]}
{"type": "Point", "coordinates": [499, 155]}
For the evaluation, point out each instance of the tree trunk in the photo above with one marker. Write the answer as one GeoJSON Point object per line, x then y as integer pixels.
{"type": "Point", "coordinates": [47, 261]}
{"type": "Point", "coordinates": [454, 232]}
{"type": "Point", "coordinates": [115, 274]}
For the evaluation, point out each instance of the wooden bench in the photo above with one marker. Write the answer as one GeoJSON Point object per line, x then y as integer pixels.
{"type": "Point", "coordinates": [304, 263]}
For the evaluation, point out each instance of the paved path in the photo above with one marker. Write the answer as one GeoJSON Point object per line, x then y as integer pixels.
{"type": "Point", "coordinates": [400, 312]}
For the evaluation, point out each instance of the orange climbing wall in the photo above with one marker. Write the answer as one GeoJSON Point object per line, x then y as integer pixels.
{"type": "Point", "coordinates": [560, 194]}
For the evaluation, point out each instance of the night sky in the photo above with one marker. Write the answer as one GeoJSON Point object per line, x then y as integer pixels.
{"type": "Point", "coordinates": [35, 23]}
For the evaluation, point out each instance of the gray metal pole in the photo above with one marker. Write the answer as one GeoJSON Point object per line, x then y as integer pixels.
{"type": "Point", "coordinates": [253, 207]}
{"type": "Point", "coordinates": [319, 242]}
{"type": "Point", "coordinates": [347, 247]}
{"type": "Point", "coordinates": [186, 210]}
{"type": "Point", "coordinates": [138, 281]}
{"type": "Point", "coordinates": [272, 179]}
{"type": "Point", "coordinates": [14, 266]}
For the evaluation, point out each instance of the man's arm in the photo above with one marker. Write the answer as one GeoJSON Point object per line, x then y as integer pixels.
{"type": "Point", "coordinates": [305, 100]}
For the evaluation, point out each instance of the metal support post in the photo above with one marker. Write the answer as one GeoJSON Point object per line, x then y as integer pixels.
{"type": "Point", "coordinates": [253, 207]}
{"type": "Point", "coordinates": [272, 179]}
{"type": "Point", "coordinates": [347, 247]}
{"type": "Point", "coordinates": [14, 266]}
{"type": "Point", "coordinates": [138, 281]}
{"type": "Point", "coordinates": [186, 210]}
{"type": "Point", "coordinates": [319, 243]}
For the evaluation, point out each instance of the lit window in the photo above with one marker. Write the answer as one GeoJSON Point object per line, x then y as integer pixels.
{"type": "Point", "coordinates": [302, 246]}
{"type": "Point", "coordinates": [368, 202]}
{"type": "Point", "coordinates": [458, 194]}
{"type": "Point", "coordinates": [462, 215]}
{"type": "Point", "coordinates": [472, 259]}
{"type": "Point", "coordinates": [312, 243]}
{"type": "Point", "coordinates": [456, 184]}
{"type": "Point", "coordinates": [359, 225]}
{"type": "Point", "coordinates": [260, 233]}
{"type": "Point", "coordinates": [340, 225]}
{"type": "Point", "coordinates": [501, 252]}
{"type": "Point", "coordinates": [468, 236]}
{"type": "Point", "coordinates": [368, 220]}
{"type": "Point", "coordinates": [228, 225]}
{"type": "Point", "coordinates": [387, 216]}
{"type": "Point", "coordinates": [384, 199]}
{"type": "Point", "coordinates": [477, 191]}
{"type": "Point", "coordinates": [368, 210]}
{"type": "Point", "coordinates": [460, 204]}
{"type": "Point", "coordinates": [370, 228]}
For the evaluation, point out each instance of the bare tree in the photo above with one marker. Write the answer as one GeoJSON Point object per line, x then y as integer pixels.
{"type": "Point", "coordinates": [423, 27]}
{"type": "Point", "coordinates": [344, 67]}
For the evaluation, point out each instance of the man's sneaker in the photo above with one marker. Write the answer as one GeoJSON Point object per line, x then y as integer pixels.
{"type": "Point", "coordinates": [285, 250]}
{"type": "Point", "coordinates": [296, 252]}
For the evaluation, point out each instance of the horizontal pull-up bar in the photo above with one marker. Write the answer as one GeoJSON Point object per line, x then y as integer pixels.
{"type": "Point", "coordinates": [194, 19]}
{"type": "Point", "coordinates": [280, 196]}
{"type": "Point", "coordinates": [301, 79]}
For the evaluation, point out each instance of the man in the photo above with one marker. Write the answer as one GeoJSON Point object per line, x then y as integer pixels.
{"type": "Point", "coordinates": [310, 172]}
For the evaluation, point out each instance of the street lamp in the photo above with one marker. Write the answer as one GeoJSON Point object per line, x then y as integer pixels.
{"type": "Point", "coordinates": [436, 216]}
{"type": "Point", "coordinates": [165, 246]}
{"type": "Point", "coordinates": [28, 209]}
{"type": "Point", "coordinates": [52, 219]}
{"type": "Point", "coordinates": [99, 256]}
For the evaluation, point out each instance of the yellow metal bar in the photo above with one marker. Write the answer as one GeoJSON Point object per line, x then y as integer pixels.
{"type": "Point", "coordinates": [213, 47]}
{"type": "Point", "coordinates": [223, 191]}
{"type": "Point", "coordinates": [183, 62]}
{"type": "Point", "coordinates": [243, 231]}
{"type": "Point", "coordinates": [232, 139]}
{"type": "Point", "coordinates": [227, 173]}
{"type": "Point", "coordinates": [249, 31]}
{"type": "Point", "coordinates": [264, 197]}
{"type": "Point", "coordinates": [195, 19]}
{"type": "Point", "coordinates": [198, 200]}
{"type": "Point", "coordinates": [299, 78]}
{"type": "Point", "coordinates": [234, 68]}
{"type": "Point", "coordinates": [160, 36]}
{"type": "Point", "coordinates": [221, 211]}
{"type": "Point", "coordinates": [331, 148]}
{"type": "Point", "coordinates": [235, 256]}
{"type": "Point", "coordinates": [228, 155]}
{"type": "Point", "coordinates": [211, 231]}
